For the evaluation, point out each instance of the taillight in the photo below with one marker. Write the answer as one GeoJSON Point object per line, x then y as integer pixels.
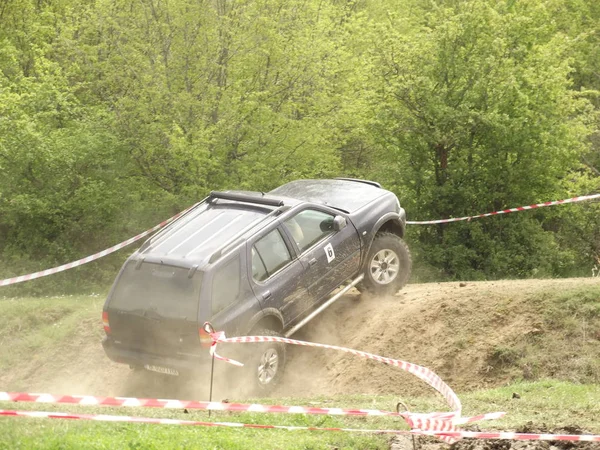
{"type": "Point", "coordinates": [205, 339]}
{"type": "Point", "coordinates": [105, 322]}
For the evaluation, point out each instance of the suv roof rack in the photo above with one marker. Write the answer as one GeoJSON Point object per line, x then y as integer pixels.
{"type": "Point", "coordinates": [244, 198]}
{"type": "Point", "coordinates": [372, 183]}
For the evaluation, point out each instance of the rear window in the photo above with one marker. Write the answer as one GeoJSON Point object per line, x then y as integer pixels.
{"type": "Point", "coordinates": [163, 289]}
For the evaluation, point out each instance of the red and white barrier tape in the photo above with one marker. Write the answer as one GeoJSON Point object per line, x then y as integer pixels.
{"type": "Point", "coordinates": [446, 421]}
{"type": "Point", "coordinates": [423, 421]}
{"type": "Point", "coordinates": [93, 257]}
{"type": "Point", "coordinates": [87, 400]}
{"type": "Point", "coordinates": [513, 436]}
{"type": "Point", "coordinates": [582, 198]}
{"type": "Point", "coordinates": [154, 420]}
{"type": "Point", "coordinates": [438, 433]}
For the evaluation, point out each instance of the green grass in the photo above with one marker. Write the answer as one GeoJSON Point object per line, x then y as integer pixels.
{"type": "Point", "coordinates": [563, 341]}
{"type": "Point", "coordinates": [33, 325]}
{"type": "Point", "coordinates": [60, 435]}
{"type": "Point", "coordinates": [550, 403]}
{"type": "Point", "coordinates": [29, 433]}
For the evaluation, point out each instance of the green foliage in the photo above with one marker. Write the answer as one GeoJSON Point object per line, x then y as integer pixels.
{"type": "Point", "coordinates": [116, 115]}
{"type": "Point", "coordinates": [477, 114]}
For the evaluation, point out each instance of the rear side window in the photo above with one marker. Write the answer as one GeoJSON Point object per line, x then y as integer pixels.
{"type": "Point", "coordinates": [226, 286]}
{"type": "Point", "coordinates": [269, 255]}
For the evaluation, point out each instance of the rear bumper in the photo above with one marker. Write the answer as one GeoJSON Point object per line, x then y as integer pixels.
{"type": "Point", "coordinates": [136, 358]}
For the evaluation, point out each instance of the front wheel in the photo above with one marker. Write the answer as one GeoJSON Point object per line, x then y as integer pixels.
{"type": "Point", "coordinates": [388, 265]}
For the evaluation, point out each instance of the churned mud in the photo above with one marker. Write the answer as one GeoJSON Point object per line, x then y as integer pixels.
{"type": "Point", "coordinates": [404, 442]}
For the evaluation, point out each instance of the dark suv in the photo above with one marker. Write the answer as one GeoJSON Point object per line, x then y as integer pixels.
{"type": "Point", "coordinates": [253, 264]}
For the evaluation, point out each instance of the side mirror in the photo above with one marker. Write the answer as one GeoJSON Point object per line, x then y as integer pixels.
{"type": "Point", "coordinates": [339, 223]}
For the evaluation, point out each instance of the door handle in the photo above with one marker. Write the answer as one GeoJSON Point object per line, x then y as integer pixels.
{"type": "Point", "coordinates": [312, 262]}
{"type": "Point", "coordinates": [266, 295]}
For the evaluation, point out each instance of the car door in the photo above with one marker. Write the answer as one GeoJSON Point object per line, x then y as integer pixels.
{"type": "Point", "coordinates": [276, 275]}
{"type": "Point", "coordinates": [330, 256]}
{"type": "Point", "coordinates": [232, 302]}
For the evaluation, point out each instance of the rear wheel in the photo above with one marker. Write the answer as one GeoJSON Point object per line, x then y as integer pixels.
{"type": "Point", "coordinates": [266, 363]}
{"type": "Point", "coordinates": [388, 265]}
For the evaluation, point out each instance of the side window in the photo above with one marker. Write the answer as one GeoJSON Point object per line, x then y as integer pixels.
{"type": "Point", "coordinates": [226, 286]}
{"type": "Point", "coordinates": [259, 272]}
{"type": "Point", "coordinates": [269, 254]}
{"type": "Point", "coordinates": [309, 226]}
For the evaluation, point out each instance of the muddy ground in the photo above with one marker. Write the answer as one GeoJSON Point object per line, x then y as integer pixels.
{"type": "Point", "coordinates": [428, 443]}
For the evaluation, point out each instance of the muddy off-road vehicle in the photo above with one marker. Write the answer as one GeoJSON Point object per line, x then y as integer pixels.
{"type": "Point", "coordinates": [253, 264]}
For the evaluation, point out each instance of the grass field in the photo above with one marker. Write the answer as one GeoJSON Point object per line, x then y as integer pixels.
{"type": "Point", "coordinates": [555, 404]}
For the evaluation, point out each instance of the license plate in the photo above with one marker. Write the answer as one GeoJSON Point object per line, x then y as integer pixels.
{"type": "Point", "coordinates": [160, 369]}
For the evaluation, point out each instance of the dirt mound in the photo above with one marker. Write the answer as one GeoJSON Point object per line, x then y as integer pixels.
{"type": "Point", "coordinates": [468, 333]}
{"type": "Point", "coordinates": [76, 365]}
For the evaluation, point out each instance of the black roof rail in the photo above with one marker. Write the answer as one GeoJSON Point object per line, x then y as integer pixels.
{"type": "Point", "coordinates": [244, 198]}
{"type": "Point", "coordinates": [372, 183]}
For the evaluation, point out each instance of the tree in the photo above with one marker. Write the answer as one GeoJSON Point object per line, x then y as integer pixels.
{"type": "Point", "coordinates": [478, 114]}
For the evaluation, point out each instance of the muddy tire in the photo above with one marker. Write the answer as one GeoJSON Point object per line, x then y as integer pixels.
{"type": "Point", "coordinates": [387, 267]}
{"type": "Point", "coordinates": [265, 365]}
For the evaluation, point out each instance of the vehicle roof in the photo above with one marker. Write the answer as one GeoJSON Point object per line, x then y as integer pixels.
{"type": "Point", "coordinates": [204, 231]}
{"type": "Point", "coordinates": [345, 194]}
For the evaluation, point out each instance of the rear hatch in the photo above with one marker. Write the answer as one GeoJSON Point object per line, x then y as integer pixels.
{"type": "Point", "coordinates": [153, 308]}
